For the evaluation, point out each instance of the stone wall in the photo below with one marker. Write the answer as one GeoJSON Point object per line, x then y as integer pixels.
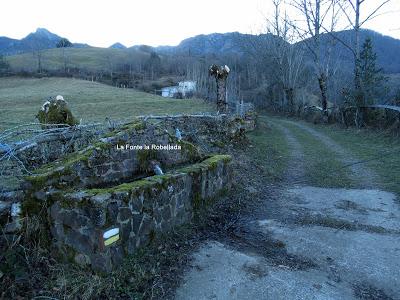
{"type": "Point", "coordinates": [138, 210]}
{"type": "Point", "coordinates": [100, 202]}
{"type": "Point", "coordinates": [48, 147]}
{"type": "Point", "coordinates": [102, 164]}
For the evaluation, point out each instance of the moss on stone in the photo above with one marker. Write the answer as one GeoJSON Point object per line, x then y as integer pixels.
{"type": "Point", "coordinates": [157, 181]}
{"type": "Point", "coordinates": [31, 206]}
{"type": "Point", "coordinates": [37, 181]}
{"type": "Point", "coordinates": [63, 166]}
{"type": "Point", "coordinates": [102, 146]}
{"type": "Point", "coordinates": [191, 151]}
{"type": "Point", "coordinates": [209, 163]}
{"type": "Point", "coordinates": [144, 157]}
{"type": "Point", "coordinates": [239, 120]}
{"type": "Point", "coordinates": [214, 160]}
{"type": "Point", "coordinates": [219, 144]}
{"type": "Point", "coordinates": [124, 187]}
{"type": "Point", "coordinates": [56, 114]}
{"type": "Point", "coordinates": [136, 125]}
{"type": "Point", "coordinates": [45, 176]}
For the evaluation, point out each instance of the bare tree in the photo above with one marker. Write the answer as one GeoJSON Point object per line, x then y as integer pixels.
{"type": "Point", "coordinates": [64, 43]}
{"type": "Point", "coordinates": [318, 17]}
{"type": "Point", "coordinates": [286, 57]}
{"type": "Point", "coordinates": [220, 74]}
{"type": "Point", "coordinates": [37, 54]}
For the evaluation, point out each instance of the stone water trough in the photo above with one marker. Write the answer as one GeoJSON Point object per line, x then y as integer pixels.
{"type": "Point", "coordinates": [104, 202]}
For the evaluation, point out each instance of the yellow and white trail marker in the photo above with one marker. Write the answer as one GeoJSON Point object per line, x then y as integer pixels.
{"type": "Point", "coordinates": [111, 236]}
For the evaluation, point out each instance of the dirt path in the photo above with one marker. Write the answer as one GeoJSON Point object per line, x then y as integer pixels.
{"type": "Point", "coordinates": [364, 176]}
{"type": "Point", "coordinates": [304, 242]}
{"type": "Point", "coordinates": [295, 169]}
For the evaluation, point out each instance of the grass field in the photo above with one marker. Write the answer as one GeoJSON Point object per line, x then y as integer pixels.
{"type": "Point", "coordinates": [20, 100]}
{"type": "Point", "coordinates": [91, 58]}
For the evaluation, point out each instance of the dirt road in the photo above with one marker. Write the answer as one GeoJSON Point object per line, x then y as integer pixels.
{"type": "Point", "coordinates": [302, 241]}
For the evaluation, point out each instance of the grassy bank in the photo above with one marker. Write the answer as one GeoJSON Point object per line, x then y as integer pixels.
{"type": "Point", "coordinates": [268, 149]}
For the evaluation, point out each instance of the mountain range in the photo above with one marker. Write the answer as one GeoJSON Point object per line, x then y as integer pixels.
{"type": "Point", "coordinates": [387, 48]}
{"type": "Point", "coordinates": [38, 40]}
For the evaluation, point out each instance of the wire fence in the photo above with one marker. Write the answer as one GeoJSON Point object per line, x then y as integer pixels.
{"type": "Point", "coordinates": [27, 146]}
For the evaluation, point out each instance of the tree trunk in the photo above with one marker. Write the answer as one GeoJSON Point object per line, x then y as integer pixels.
{"type": "Point", "coordinates": [222, 104]}
{"type": "Point", "coordinates": [290, 99]}
{"type": "Point", "coordinates": [359, 98]}
{"type": "Point", "coordinates": [324, 91]}
{"type": "Point", "coordinates": [359, 118]}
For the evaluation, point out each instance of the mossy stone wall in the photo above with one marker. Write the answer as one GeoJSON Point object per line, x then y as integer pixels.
{"type": "Point", "coordinates": [140, 210]}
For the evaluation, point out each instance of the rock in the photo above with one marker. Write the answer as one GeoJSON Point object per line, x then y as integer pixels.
{"type": "Point", "coordinates": [124, 214]}
{"type": "Point", "coordinates": [15, 210]}
{"type": "Point", "coordinates": [82, 259]}
{"type": "Point", "coordinates": [4, 208]}
{"type": "Point", "coordinates": [78, 196]}
{"type": "Point", "coordinates": [79, 242]}
{"type": "Point", "coordinates": [136, 221]}
{"type": "Point", "coordinates": [251, 190]}
{"type": "Point", "coordinates": [101, 198]}
{"type": "Point", "coordinates": [97, 216]}
{"type": "Point", "coordinates": [73, 219]}
{"type": "Point", "coordinates": [166, 213]}
{"type": "Point", "coordinates": [13, 196]}
{"type": "Point", "coordinates": [13, 227]}
{"type": "Point", "coordinates": [101, 262]}
{"type": "Point", "coordinates": [112, 211]}
{"type": "Point", "coordinates": [117, 255]}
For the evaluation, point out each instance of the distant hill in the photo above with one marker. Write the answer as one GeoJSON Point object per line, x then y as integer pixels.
{"type": "Point", "coordinates": [215, 43]}
{"type": "Point", "coordinates": [39, 40]}
{"type": "Point", "coordinates": [117, 46]}
{"type": "Point", "coordinates": [220, 44]}
{"type": "Point", "coordinates": [387, 48]}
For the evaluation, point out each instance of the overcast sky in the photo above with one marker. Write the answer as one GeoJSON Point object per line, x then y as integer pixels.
{"type": "Point", "coordinates": [151, 22]}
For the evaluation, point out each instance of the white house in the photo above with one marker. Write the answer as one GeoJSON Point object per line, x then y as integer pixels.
{"type": "Point", "coordinates": [183, 87]}
{"type": "Point", "coordinates": [169, 91]}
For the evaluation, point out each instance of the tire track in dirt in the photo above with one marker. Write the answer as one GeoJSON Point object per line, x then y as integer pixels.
{"type": "Point", "coordinates": [361, 174]}
{"type": "Point", "coordinates": [295, 171]}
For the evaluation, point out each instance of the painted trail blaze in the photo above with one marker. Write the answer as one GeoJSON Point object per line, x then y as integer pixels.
{"type": "Point", "coordinates": [111, 236]}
